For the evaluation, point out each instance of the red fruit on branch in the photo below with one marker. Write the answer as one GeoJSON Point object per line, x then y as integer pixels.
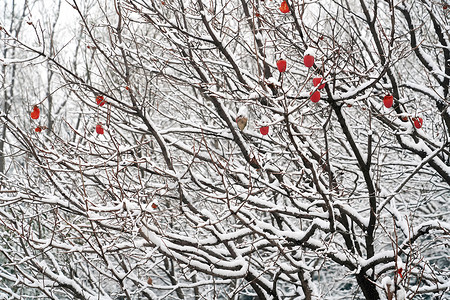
{"type": "Point", "coordinates": [284, 8]}
{"type": "Point", "coordinates": [100, 100]}
{"type": "Point", "coordinates": [264, 130]}
{"type": "Point", "coordinates": [308, 60]}
{"type": "Point", "coordinates": [281, 65]}
{"type": "Point", "coordinates": [400, 272]}
{"type": "Point", "coordinates": [35, 113]}
{"type": "Point", "coordinates": [40, 128]}
{"type": "Point", "coordinates": [315, 97]}
{"type": "Point", "coordinates": [317, 81]}
{"type": "Point", "coordinates": [388, 100]}
{"type": "Point", "coordinates": [154, 206]}
{"type": "Point", "coordinates": [418, 122]}
{"type": "Point", "coordinates": [99, 129]}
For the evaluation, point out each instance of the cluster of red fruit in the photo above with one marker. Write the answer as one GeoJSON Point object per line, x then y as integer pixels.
{"type": "Point", "coordinates": [388, 101]}
{"type": "Point", "coordinates": [315, 97]}
{"type": "Point", "coordinates": [100, 102]}
{"type": "Point", "coordinates": [308, 60]}
{"type": "Point", "coordinates": [35, 115]}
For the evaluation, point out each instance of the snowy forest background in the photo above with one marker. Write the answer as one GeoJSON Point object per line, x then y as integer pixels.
{"type": "Point", "coordinates": [342, 199]}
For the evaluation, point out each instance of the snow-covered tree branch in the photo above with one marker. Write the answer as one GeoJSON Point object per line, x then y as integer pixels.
{"type": "Point", "coordinates": [225, 149]}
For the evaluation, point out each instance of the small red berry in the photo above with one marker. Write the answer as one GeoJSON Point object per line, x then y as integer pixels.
{"type": "Point", "coordinates": [418, 122]}
{"type": "Point", "coordinates": [388, 100]}
{"type": "Point", "coordinates": [308, 60]}
{"type": "Point", "coordinates": [264, 130]}
{"type": "Point", "coordinates": [284, 8]}
{"type": "Point", "coordinates": [99, 129]}
{"type": "Point", "coordinates": [154, 206]}
{"type": "Point", "coordinates": [317, 81]}
{"type": "Point", "coordinates": [35, 113]}
{"type": "Point", "coordinates": [315, 97]}
{"type": "Point", "coordinates": [127, 88]}
{"type": "Point", "coordinates": [38, 129]}
{"type": "Point", "coordinates": [100, 100]}
{"type": "Point", "coordinates": [281, 65]}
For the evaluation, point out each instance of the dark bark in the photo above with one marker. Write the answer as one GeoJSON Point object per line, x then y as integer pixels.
{"type": "Point", "coordinates": [368, 287]}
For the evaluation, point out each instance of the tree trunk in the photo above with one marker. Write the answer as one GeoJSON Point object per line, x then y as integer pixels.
{"type": "Point", "coordinates": [368, 287]}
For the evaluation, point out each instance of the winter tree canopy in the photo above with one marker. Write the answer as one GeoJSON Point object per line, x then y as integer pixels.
{"type": "Point", "coordinates": [240, 149]}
